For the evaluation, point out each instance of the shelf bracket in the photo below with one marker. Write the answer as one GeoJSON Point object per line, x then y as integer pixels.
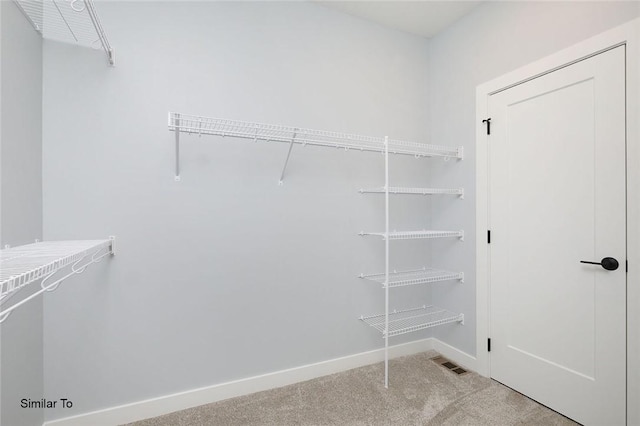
{"type": "Point", "coordinates": [176, 130]}
{"type": "Point", "coordinates": [112, 249]}
{"type": "Point", "coordinates": [99, 30]}
{"type": "Point", "coordinates": [281, 181]}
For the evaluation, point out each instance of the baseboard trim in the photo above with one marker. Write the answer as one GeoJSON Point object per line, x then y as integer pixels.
{"type": "Point", "coordinates": [456, 355]}
{"type": "Point", "coordinates": [180, 401]}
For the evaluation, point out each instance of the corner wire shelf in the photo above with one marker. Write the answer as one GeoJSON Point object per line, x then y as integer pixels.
{"type": "Point", "coordinates": [414, 235]}
{"type": "Point", "coordinates": [198, 125]}
{"type": "Point", "coordinates": [68, 21]}
{"type": "Point", "coordinates": [23, 265]}
{"type": "Point", "coordinates": [413, 277]}
{"type": "Point", "coordinates": [410, 320]}
{"type": "Point", "coordinates": [415, 191]}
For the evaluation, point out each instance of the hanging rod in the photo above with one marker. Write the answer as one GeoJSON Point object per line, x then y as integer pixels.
{"type": "Point", "coordinates": [198, 125]}
{"type": "Point", "coordinates": [23, 265]}
{"type": "Point", "coordinates": [67, 21]}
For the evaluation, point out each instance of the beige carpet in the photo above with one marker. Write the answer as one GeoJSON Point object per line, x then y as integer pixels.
{"type": "Point", "coordinates": [420, 392]}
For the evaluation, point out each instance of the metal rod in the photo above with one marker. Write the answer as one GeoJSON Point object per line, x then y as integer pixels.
{"type": "Point", "coordinates": [386, 262]}
{"type": "Point", "coordinates": [99, 30]}
{"type": "Point", "coordinates": [287, 160]}
{"type": "Point", "coordinates": [177, 134]}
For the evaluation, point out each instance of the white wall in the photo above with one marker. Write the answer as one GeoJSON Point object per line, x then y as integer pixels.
{"type": "Point", "coordinates": [223, 275]}
{"type": "Point", "coordinates": [21, 361]}
{"type": "Point", "coordinates": [495, 38]}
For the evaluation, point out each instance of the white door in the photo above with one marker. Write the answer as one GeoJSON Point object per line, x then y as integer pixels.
{"type": "Point", "coordinates": [557, 197]}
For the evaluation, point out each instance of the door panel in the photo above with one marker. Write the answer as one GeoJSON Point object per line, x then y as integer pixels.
{"type": "Point", "coordinates": [557, 196]}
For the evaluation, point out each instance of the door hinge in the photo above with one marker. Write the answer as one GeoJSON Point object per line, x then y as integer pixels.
{"type": "Point", "coordinates": [488, 121]}
{"type": "Point", "coordinates": [489, 236]}
{"type": "Point", "coordinates": [626, 265]}
{"type": "Point", "coordinates": [489, 344]}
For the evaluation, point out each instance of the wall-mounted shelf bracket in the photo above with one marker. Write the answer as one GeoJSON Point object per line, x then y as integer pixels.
{"type": "Point", "coordinates": [281, 181]}
{"type": "Point", "coordinates": [177, 142]}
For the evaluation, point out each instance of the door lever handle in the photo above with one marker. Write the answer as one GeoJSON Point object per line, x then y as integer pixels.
{"type": "Point", "coordinates": [608, 263]}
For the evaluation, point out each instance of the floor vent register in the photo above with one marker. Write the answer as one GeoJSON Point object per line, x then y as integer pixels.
{"type": "Point", "coordinates": [444, 362]}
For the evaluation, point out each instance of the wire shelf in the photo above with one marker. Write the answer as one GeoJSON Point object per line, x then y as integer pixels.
{"type": "Point", "coordinates": [22, 265]}
{"type": "Point", "coordinates": [413, 277]}
{"type": "Point", "coordinates": [67, 21]}
{"type": "Point", "coordinates": [413, 235]}
{"type": "Point", "coordinates": [194, 124]}
{"type": "Point", "coordinates": [410, 320]}
{"type": "Point", "coordinates": [416, 191]}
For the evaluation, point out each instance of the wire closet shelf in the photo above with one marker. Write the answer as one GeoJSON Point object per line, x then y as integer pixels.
{"type": "Point", "coordinates": [194, 124]}
{"type": "Point", "coordinates": [414, 276]}
{"type": "Point", "coordinates": [67, 21]}
{"type": "Point", "coordinates": [414, 235]}
{"type": "Point", "coordinates": [410, 320]}
{"type": "Point", "coordinates": [23, 265]}
{"type": "Point", "coordinates": [414, 191]}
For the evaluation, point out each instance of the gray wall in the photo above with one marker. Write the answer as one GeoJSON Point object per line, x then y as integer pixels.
{"type": "Point", "coordinates": [494, 39]}
{"type": "Point", "coordinates": [21, 363]}
{"type": "Point", "coordinates": [224, 275]}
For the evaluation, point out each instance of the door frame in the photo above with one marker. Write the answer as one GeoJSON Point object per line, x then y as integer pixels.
{"type": "Point", "coordinates": [629, 35]}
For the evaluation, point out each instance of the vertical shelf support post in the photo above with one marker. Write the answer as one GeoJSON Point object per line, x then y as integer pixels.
{"type": "Point", "coordinates": [386, 262]}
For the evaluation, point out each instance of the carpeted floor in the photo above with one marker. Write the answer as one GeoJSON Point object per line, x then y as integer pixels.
{"type": "Point", "coordinates": [421, 392]}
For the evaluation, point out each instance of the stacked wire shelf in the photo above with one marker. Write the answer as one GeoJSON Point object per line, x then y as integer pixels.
{"type": "Point", "coordinates": [397, 322]}
{"type": "Point", "coordinates": [415, 235]}
{"type": "Point", "coordinates": [410, 320]}
{"type": "Point", "coordinates": [415, 191]}
{"type": "Point", "coordinates": [413, 277]}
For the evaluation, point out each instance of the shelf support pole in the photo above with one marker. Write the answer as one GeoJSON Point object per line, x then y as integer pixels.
{"type": "Point", "coordinates": [176, 130]}
{"type": "Point", "coordinates": [281, 181]}
{"type": "Point", "coordinates": [386, 262]}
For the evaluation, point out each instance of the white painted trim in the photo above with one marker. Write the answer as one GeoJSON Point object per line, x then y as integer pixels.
{"type": "Point", "coordinates": [180, 401]}
{"type": "Point", "coordinates": [456, 355]}
{"type": "Point", "coordinates": [633, 224]}
{"type": "Point", "coordinates": [628, 34]}
{"type": "Point", "coordinates": [483, 300]}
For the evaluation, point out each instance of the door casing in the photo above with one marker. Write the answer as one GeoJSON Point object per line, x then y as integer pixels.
{"type": "Point", "coordinates": [629, 35]}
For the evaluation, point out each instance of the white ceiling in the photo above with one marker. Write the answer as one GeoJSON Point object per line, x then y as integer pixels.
{"type": "Point", "coordinates": [423, 18]}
